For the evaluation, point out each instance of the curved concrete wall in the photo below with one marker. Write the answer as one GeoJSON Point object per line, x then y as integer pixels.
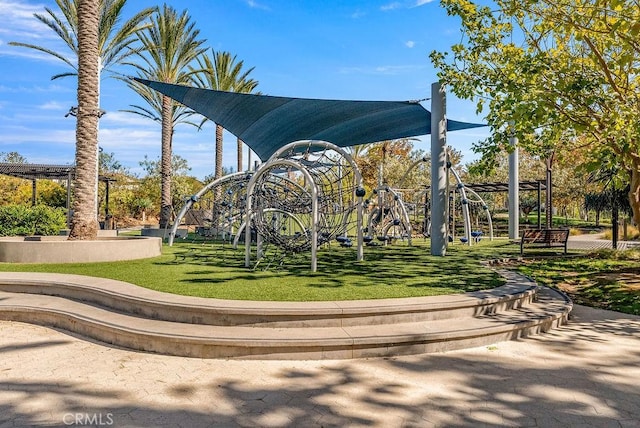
{"type": "Point", "coordinates": [57, 249]}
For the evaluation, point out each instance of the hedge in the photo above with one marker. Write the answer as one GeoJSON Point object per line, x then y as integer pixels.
{"type": "Point", "coordinates": [21, 220]}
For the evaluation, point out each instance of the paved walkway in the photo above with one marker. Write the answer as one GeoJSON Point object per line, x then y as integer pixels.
{"type": "Point", "coordinates": [584, 374]}
{"type": "Point", "coordinates": [597, 242]}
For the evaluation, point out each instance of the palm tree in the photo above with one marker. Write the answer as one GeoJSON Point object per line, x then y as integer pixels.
{"type": "Point", "coordinates": [84, 224]}
{"type": "Point", "coordinates": [223, 73]}
{"type": "Point", "coordinates": [114, 44]}
{"type": "Point", "coordinates": [170, 44]}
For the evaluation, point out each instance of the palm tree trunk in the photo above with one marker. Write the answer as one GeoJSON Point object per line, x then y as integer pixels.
{"type": "Point", "coordinates": [239, 155]}
{"type": "Point", "coordinates": [217, 195]}
{"type": "Point", "coordinates": [218, 170]}
{"type": "Point", "coordinates": [165, 162]}
{"type": "Point", "coordinates": [84, 224]}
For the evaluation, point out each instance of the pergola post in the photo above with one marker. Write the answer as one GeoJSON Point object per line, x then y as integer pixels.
{"type": "Point", "coordinates": [107, 222]}
{"type": "Point", "coordinates": [69, 180]}
{"type": "Point", "coordinates": [33, 192]}
{"type": "Point", "coordinates": [438, 170]}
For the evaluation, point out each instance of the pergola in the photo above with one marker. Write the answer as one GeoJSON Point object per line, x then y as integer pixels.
{"type": "Point", "coordinates": [538, 186]}
{"type": "Point", "coordinates": [34, 172]}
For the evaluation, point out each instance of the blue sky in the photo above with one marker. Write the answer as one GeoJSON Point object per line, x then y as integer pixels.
{"type": "Point", "coordinates": [357, 49]}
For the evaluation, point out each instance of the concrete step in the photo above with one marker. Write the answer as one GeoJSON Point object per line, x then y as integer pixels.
{"type": "Point", "coordinates": [550, 309]}
{"type": "Point", "coordinates": [129, 299]}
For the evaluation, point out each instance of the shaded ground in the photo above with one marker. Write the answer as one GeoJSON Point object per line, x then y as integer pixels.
{"type": "Point", "coordinates": [584, 374]}
{"type": "Point", "coordinates": [609, 290]}
{"type": "Point", "coordinates": [602, 279]}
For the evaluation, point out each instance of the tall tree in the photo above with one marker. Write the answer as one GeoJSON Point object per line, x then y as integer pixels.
{"type": "Point", "coordinates": [12, 157]}
{"type": "Point", "coordinates": [84, 224]}
{"type": "Point", "coordinates": [222, 72]}
{"type": "Point", "coordinates": [565, 71]}
{"type": "Point", "coordinates": [170, 45]}
{"type": "Point", "coordinates": [116, 41]}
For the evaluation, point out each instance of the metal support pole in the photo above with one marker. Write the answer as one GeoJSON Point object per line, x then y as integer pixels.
{"type": "Point", "coordinates": [107, 222]}
{"type": "Point", "coordinates": [33, 192]}
{"type": "Point", "coordinates": [359, 233]}
{"type": "Point", "coordinates": [549, 196]}
{"type": "Point", "coordinates": [69, 200]}
{"type": "Point", "coordinates": [514, 187]}
{"type": "Point", "coordinates": [539, 204]}
{"type": "Point", "coordinates": [614, 220]}
{"type": "Point", "coordinates": [438, 171]}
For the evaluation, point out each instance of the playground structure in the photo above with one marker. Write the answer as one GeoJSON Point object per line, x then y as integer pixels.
{"type": "Point", "coordinates": [227, 215]}
{"type": "Point", "coordinates": [389, 220]}
{"type": "Point", "coordinates": [308, 193]}
{"type": "Point", "coordinates": [470, 201]}
{"type": "Point", "coordinates": [392, 212]}
{"type": "Point", "coordinates": [305, 195]}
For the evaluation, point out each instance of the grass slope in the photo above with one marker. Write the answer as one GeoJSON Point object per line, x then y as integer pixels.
{"type": "Point", "coordinates": [208, 270]}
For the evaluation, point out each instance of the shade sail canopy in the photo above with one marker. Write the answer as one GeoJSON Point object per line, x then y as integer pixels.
{"type": "Point", "coordinates": [266, 123]}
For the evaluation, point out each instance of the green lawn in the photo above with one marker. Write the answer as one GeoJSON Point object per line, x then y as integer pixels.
{"type": "Point", "coordinates": [604, 279]}
{"type": "Point", "coordinates": [214, 271]}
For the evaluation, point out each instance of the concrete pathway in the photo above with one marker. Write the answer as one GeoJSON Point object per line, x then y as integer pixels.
{"type": "Point", "coordinates": [581, 375]}
{"type": "Point", "coordinates": [597, 242]}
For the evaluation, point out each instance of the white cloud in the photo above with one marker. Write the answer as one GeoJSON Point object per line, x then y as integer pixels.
{"type": "Point", "coordinates": [52, 105]}
{"type": "Point", "coordinates": [255, 5]}
{"type": "Point", "coordinates": [410, 43]}
{"type": "Point", "coordinates": [407, 4]}
{"type": "Point", "coordinates": [19, 15]}
{"type": "Point", "coordinates": [391, 6]}
{"type": "Point", "coordinates": [37, 89]}
{"type": "Point", "coordinates": [19, 25]}
{"type": "Point", "coordinates": [26, 135]}
{"type": "Point", "coordinates": [121, 118]}
{"type": "Point", "coordinates": [129, 138]}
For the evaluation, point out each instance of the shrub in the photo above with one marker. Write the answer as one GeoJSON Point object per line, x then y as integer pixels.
{"type": "Point", "coordinates": [22, 220]}
{"type": "Point", "coordinates": [633, 232]}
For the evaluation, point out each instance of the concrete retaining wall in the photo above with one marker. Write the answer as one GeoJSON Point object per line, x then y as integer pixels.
{"type": "Point", "coordinates": [57, 249]}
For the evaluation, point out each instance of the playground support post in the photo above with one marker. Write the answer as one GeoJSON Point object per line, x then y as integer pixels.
{"type": "Point", "coordinates": [514, 187]}
{"type": "Point", "coordinates": [438, 170]}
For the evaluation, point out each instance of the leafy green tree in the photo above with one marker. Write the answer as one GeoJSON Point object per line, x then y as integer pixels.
{"type": "Point", "coordinates": [564, 71]}
{"type": "Point", "coordinates": [527, 205]}
{"type": "Point", "coordinates": [108, 164]}
{"type": "Point", "coordinates": [12, 157]}
{"type": "Point", "coordinates": [223, 72]}
{"type": "Point", "coordinates": [170, 45]}
{"type": "Point", "coordinates": [182, 185]}
{"type": "Point", "coordinates": [392, 159]}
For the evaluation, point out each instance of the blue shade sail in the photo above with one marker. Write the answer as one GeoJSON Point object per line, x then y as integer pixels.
{"type": "Point", "coordinates": [266, 123]}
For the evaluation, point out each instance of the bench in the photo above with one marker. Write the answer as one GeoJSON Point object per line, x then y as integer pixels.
{"type": "Point", "coordinates": [545, 238]}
